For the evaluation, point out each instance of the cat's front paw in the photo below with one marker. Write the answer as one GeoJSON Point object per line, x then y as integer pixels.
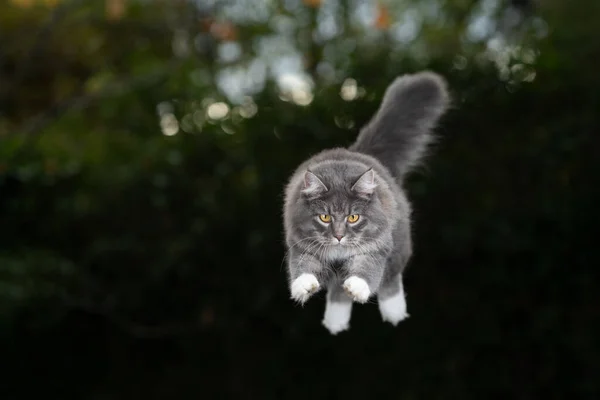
{"type": "Point", "coordinates": [303, 287]}
{"type": "Point", "coordinates": [357, 288]}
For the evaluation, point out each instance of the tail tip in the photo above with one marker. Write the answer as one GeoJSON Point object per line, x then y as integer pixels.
{"type": "Point", "coordinates": [425, 86]}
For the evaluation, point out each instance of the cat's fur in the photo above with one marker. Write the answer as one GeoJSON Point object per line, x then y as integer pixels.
{"type": "Point", "coordinates": [365, 179]}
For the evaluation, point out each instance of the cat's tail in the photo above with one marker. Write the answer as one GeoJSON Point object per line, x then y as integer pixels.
{"type": "Point", "coordinates": [400, 131]}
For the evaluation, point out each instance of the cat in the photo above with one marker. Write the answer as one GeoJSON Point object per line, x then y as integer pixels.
{"type": "Point", "coordinates": [346, 215]}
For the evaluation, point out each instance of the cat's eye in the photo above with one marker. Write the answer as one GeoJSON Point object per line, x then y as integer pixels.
{"type": "Point", "coordinates": [353, 218]}
{"type": "Point", "coordinates": [325, 218]}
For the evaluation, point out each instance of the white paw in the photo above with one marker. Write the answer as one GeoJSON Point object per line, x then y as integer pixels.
{"type": "Point", "coordinates": [303, 287]}
{"type": "Point", "coordinates": [393, 309]}
{"type": "Point", "coordinates": [337, 317]}
{"type": "Point", "coordinates": [357, 288]}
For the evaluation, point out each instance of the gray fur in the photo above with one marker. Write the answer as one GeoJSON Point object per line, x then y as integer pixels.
{"type": "Point", "coordinates": [365, 179]}
{"type": "Point", "coordinates": [399, 133]}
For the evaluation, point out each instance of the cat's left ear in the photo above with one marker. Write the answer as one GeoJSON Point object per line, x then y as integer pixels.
{"type": "Point", "coordinates": [365, 185]}
{"type": "Point", "coordinates": [313, 186]}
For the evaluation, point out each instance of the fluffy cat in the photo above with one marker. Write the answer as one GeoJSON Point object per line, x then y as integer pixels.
{"type": "Point", "coordinates": [346, 215]}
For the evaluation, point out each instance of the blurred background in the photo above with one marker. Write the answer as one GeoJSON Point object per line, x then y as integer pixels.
{"type": "Point", "coordinates": [144, 145]}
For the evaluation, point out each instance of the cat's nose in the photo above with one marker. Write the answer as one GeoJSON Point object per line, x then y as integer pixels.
{"type": "Point", "coordinates": [339, 237]}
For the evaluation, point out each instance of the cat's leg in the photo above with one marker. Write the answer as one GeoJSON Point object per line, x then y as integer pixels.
{"type": "Point", "coordinates": [338, 308]}
{"type": "Point", "coordinates": [364, 276]}
{"type": "Point", "coordinates": [392, 300]}
{"type": "Point", "coordinates": [303, 270]}
{"type": "Point", "coordinates": [391, 297]}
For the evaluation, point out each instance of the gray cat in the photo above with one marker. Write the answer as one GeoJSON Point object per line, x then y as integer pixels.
{"type": "Point", "coordinates": [346, 216]}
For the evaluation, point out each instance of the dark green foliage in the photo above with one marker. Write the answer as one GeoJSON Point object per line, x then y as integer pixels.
{"type": "Point", "coordinates": [139, 265]}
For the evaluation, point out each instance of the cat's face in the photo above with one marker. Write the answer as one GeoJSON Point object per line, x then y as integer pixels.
{"type": "Point", "coordinates": [339, 208]}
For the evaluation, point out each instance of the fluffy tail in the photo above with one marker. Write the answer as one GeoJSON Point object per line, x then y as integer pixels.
{"type": "Point", "coordinates": [400, 131]}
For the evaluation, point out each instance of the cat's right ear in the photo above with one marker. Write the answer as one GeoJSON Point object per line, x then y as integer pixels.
{"type": "Point", "coordinates": [313, 186]}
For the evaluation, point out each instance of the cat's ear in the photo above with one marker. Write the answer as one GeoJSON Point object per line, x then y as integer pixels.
{"type": "Point", "coordinates": [365, 185]}
{"type": "Point", "coordinates": [313, 186]}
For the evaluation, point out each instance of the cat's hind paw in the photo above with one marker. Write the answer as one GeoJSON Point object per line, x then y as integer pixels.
{"type": "Point", "coordinates": [337, 317]}
{"type": "Point", "coordinates": [303, 287]}
{"type": "Point", "coordinates": [393, 309]}
{"type": "Point", "coordinates": [357, 288]}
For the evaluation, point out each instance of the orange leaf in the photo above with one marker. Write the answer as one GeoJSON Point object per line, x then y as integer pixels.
{"type": "Point", "coordinates": [22, 3]}
{"type": "Point", "coordinates": [312, 3]}
{"type": "Point", "coordinates": [115, 9]}
{"type": "Point", "coordinates": [223, 30]}
{"type": "Point", "coordinates": [206, 23]}
{"type": "Point", "coordinates": [383, 17]}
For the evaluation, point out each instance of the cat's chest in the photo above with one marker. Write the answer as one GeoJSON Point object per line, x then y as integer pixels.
{"type": "Point", "coordinates": [336, 255]}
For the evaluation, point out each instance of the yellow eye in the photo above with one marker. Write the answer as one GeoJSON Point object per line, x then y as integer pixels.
{"type": "Point", "coordinates": [352, 218]}
{"type": "Point", "coordinates": [325, 218]}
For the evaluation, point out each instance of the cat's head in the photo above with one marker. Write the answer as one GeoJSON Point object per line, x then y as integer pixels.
{"type": "Point", "coordinates": [339, 206]}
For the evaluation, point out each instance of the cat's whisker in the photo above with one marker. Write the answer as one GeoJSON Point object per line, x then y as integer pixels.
{"type": "Point", "coordinates": [310, 250]}
{"type": "Point", "coordinates": [314, 238]}
{"type": "Point", "coordinates": [365, 251]}
{"type": "Point", "coordinates": [326, 264]}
